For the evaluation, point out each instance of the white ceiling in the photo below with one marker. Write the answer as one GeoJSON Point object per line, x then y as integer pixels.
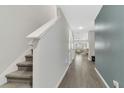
{"type": "Point", "coordinates": [80, 16]}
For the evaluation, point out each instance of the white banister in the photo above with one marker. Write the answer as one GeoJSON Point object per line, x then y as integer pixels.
{"type": "Point", "coordinates": [50, 52]}
{"type": "Point", "coordinates": [36, 35]}
{"type": "Point", "coordinates": [41, 31]}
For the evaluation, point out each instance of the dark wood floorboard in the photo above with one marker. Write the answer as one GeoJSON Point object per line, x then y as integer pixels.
{"type": "Point", "coordinates": [81, 74]}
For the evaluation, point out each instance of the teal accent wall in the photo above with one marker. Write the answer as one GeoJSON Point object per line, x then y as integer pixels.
{"type": "Point", "coordinates": [109, 43]}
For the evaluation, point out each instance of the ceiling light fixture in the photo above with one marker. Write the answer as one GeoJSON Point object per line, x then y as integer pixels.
{"type": "Point", "coordinates": [80, 27]}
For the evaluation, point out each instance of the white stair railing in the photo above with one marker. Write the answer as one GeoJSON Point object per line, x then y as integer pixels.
{"type": "Point", "coordinates": [50, 52]}
{"type": "Point", "coordinates": [37, 35]}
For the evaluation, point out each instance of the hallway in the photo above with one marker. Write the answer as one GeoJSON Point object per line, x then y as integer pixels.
{"type": "Point", "coordinates": [81, 74]}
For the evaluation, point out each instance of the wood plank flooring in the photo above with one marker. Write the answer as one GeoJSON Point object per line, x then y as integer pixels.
{"type": "Point", "coordinates": [81, 74]}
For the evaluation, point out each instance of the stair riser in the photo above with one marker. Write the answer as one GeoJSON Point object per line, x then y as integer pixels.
{"type": "Point", "coordinates": [27, 81]}
{"type": "Point", "coordinates": [28, 58]}
{"type": "Point", "coordinates": [25, 68]}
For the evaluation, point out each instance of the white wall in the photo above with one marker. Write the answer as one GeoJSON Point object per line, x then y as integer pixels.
{"type": "Point", "coordinates": [16, 22]}
{"type": "Point", "coordinates": [80, 35]}
{"type": "Point", "coordinates": [91, 39]}
{"type": "Point", "coordinates": [71, 46]}
{"type": "Point", "coordinates": [80, 15]}
{"type": "Point", "coordinates": [51, 56]}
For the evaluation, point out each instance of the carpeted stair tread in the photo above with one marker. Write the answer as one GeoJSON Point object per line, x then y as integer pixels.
{"type": "Point", "coordinates": [29, 55]}
{"type": "Point", "coordinates": [20, 75]}
{"type": "Point", "coordinates": [22, 78]}
{"type": "Point", "coordinates": [15, 85]}
{"type": "Point", "coordinates": [24, 64]}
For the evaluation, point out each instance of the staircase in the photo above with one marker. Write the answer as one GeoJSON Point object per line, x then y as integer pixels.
{"type": "Point", "coordinates": [22, 78]}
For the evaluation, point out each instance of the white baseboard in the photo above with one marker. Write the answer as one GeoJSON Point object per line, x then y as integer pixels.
{"type": "Point", "coordinates": [107, 86]}
{"type": "Point", "coordinates": [62, 77]}
{"type": "Point", "coordinates": [12, 67]}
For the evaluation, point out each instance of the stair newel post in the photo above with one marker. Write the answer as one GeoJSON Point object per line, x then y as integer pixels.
{"type": "Point", "coordinates": [32, 51]}
{"type": "Point", "coordinates": [33, 44]}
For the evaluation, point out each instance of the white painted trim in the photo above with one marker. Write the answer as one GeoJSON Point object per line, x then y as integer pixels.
{"type": "Point", "coordinates": [42, 30]}
{"type": "Point", "coordinates": [12, 67]}
{"type": "Point", "coordinates": [62, 77]}
{"type": "Point", "coordinates": [107, 86]}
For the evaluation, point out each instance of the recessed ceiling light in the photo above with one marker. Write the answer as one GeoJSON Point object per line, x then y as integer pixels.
{"type": "Point", "coordinates": [80, 27]}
